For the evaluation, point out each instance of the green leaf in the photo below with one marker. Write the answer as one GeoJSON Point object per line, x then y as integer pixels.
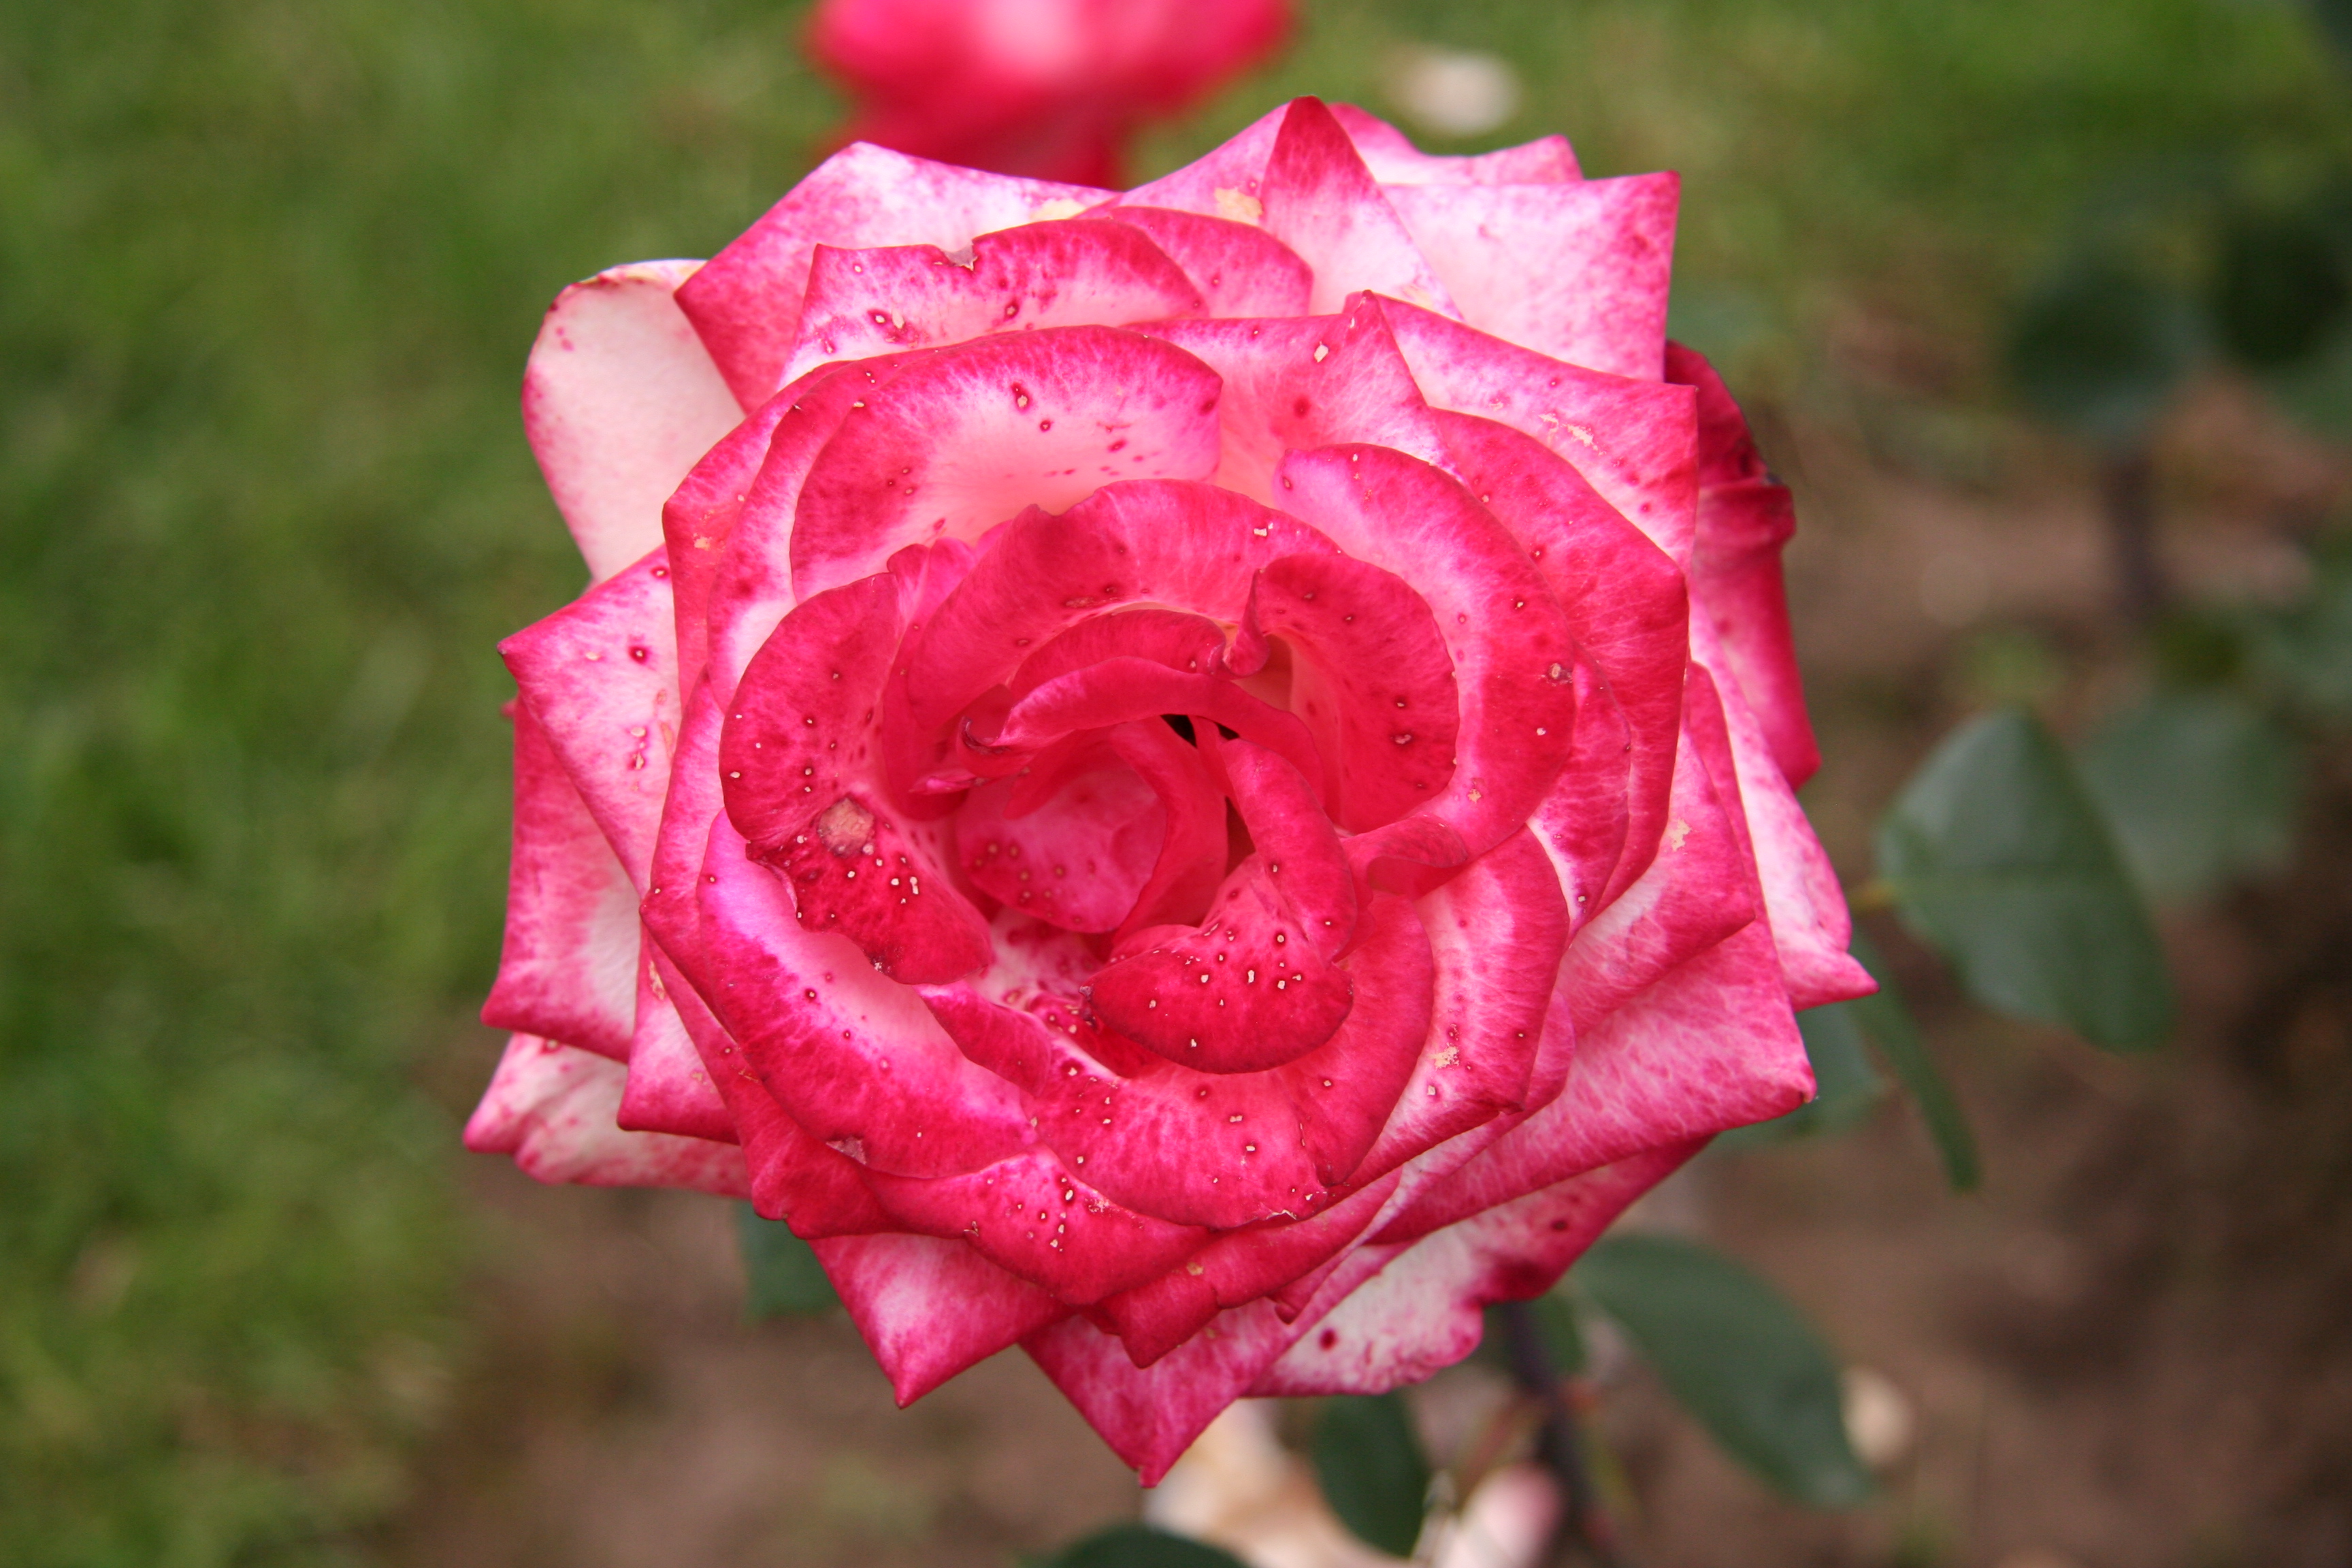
{"type": "Point", "coordinates": [1140, 1546]}
{"type": "Point", "coordinates": [1739, 1357]}
{"type": "Point", "coordinates": [1997, 857]}
{"type": "Point", "coordinates": [2198, 787]}
{"type": "Point", "coordinates": [1887, 1019]}
{"type": "Point", "coordinates": [1369, 1462]}
{"type": "Point", "coordinates": [783, 1276]}
{"type": "Point", "coordinates": [1845, 1086]}
{"type": "Point", "coordinates": [2099, 348]}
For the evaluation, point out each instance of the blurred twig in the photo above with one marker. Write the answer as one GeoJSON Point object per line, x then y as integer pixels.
{"type": "Point", "coordinates": [1584, 1528]}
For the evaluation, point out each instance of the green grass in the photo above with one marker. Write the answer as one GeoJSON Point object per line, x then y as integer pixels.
{"type": "Point", "coordinates": [267, 272]}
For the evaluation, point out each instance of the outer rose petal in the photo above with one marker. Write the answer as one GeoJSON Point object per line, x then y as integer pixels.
{"type": "Point", "coordinates": [1149, 1415]}
{"type": "Point", "coordinates": [1072, 272]}
{"type": "Point", "coordinates": [1235, 1269]}
{"type": "Point", "coordinates": [930, 1309]}
{"type": "Point", "coordinates": [600, 677]}
{"type": "Point", "coordinates": [1632, 441]}
{"type": "Point", "coordinates": [1426, 1310]}
{"type": "Point", "coordinates": [1226, 182]}
{"type": "Point", "coordinates": [552, 1107]}
{"type": "Point", "coordinates": [1577, 271]}
{"type": "Point", "coordinates": [1744, 520]}
{"type": "Point", "coordinates": [619, 402]}
{"type": "Point", "coordinates": [567, 971]}
{"type": "Point", "coordinates": [745, 302]}
{"type": "Point", "coordinates": [1395, 160]}
{"type": "Point", "coordinates": [670, 1089]}
{"type": "Point", "coordinates": [1811, 925]}
{"type": "Point", "coordinates": [1319, 200]}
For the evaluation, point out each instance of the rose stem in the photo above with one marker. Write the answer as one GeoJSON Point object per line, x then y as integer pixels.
{"type": "Point", "coordinates": [1560, 1445]}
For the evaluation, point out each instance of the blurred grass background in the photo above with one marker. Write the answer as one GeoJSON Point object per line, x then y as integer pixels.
{"type": "Point", "coordinates": [268, 275]}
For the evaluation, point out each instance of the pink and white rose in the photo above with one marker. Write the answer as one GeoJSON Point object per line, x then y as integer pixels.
{"type": "Point", "coordinates": [1049, 88]}
{"type": "Point", "coordinates": [1197, 780]}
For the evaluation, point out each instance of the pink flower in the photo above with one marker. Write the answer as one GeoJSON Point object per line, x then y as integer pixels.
{"type": "Point", "coordinates": [1140, 767]}
{"type": "Point", "coordinates": [1050, 89]}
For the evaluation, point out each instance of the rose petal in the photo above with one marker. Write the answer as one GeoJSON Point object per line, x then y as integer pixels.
{"type": "Point", "coordinates": [1234, 1269]}
{"type": "Point", "coordinates": [1320, 201]}
{"type": "Point", "coordinates": [1425, 1310]}
{"type": "Point", "coordinates": [861, 303]}
{"type": "Point", "coordinates": [600, 676]}
{"type": "Point", "coordinates": [567, 971]}
{"type": "Point", "coordinates": [853, 1056]}
{"type": "Point", "coordinates": [1577, 271]}
{"type": "Point", "coordinates": [1078, 860]}
{"type": "Point", "coordinates": [1395, 160]}
{"type": "Point", "coordinates": [670, 1089]}
{"type": "Point", "coordinates": [1632, 441]}
{"type": "Point", "coordinates": [619, 401]}
{"type": "Point", "coordinates": [803, 784]}
{"type": "Point", "coordinates": [1149, 1415]}
{"type": "Point", "coordinates": [1224, 182]}
{"type": "Point", "coordinates": [1505, 634]}
{"type": "Point", "coordinates": [745, 301]}
{"type": "Point", "coordinates": [1029, 1215]}
{"type": "Point", "coordinates": [958, 442]}
{"type": "Point", "coordinates": [1744, 520]}
{"type": "Point", "coordinates": [1240, 270]}
{"type": "Point", "coordinates": [1497, 933]}
{"type": "Point", "coordinates": [1315, 381]}
{"type": "Point", "coordinates": [930, 1309]}
{"type": "Point", "coordinates": [1626, 606]}
{"type": "Point", "coordinates": [1191, 860]}
{"type": "Point", "coordinates": [1370, 680]}
{"type": "Point", "coordinates": [1811, 926]}
{"type": "Point", "coordinates": [552, 1108]}
{"type": "Point", "coordinates": [1220, 1149]}
{"type": "Point", "coordinates": [819, 1192]}
{"type": "Point", "coordinates": [1253, 987]}
{"type": "Point", "coordinates": [699, 516]}
{"type": "Point", "coordinates": [1191, 546]}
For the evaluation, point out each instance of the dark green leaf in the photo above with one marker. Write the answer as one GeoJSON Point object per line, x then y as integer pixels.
{"type": "Point", "coordinates": [1140, 1546]}
{"type": "Point", "coordinates": [1373, 1474]}
{"type": "Point", "coordinates": [1739, 1357]}
{"type": "Point", "coordinates": [2099, 348]}
{"type": "Point", "coordinates": [1887, 1020]}
{"type": "Point", "coordinates": [2280, 291]}
{"type": "Point", "coordinates": [1845, 1086]}
{"type": "Point", "coordinates": [2198, 786]}
{"type": "Point", "coordinates": [1998, 858]}
{"type": "Point", "coordinates": [782, 1276]}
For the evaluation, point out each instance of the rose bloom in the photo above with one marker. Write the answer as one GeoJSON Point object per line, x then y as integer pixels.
{"type": "Point", "coordinates": [1047, 88]}
{"type": "Point", "coordinates": [1198, 780]}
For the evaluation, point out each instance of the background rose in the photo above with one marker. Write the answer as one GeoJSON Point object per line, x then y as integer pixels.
{"type": "Point", "coordinates": [1372, 469]}
{"type": "Point", "coordinates": [1050, 89]}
